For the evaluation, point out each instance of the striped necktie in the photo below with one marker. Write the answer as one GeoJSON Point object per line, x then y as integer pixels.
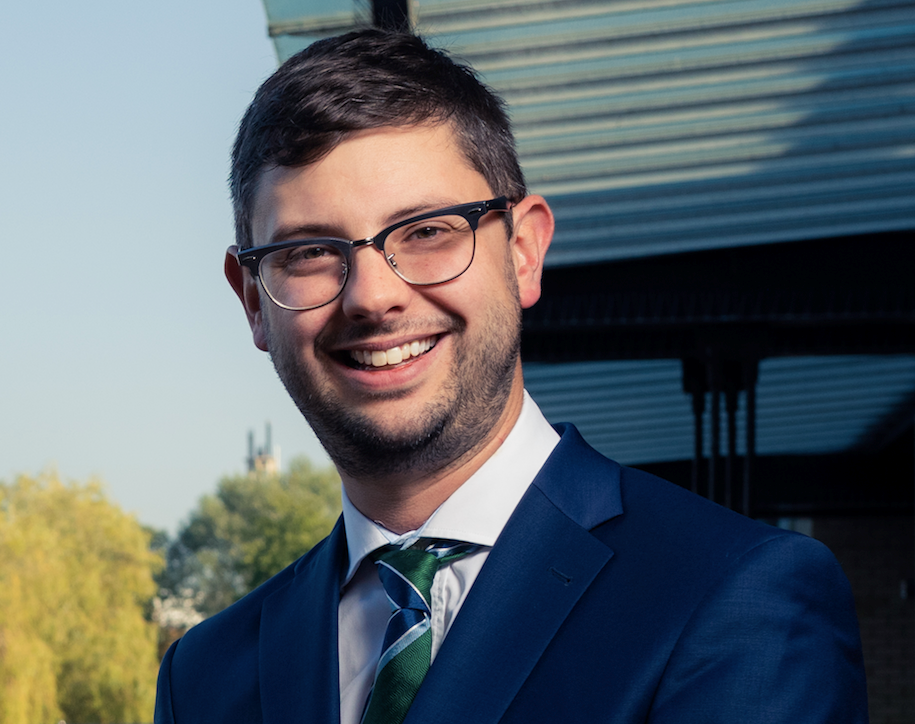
{"type": "Point", "coordinates": [406, 575]}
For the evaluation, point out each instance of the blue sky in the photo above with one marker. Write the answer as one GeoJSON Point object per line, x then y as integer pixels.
{"type": "Point", "coordinates": [123, 352]}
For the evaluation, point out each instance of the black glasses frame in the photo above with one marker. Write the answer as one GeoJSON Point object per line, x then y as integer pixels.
{"type": "Point", "coordinates": [472, 213]}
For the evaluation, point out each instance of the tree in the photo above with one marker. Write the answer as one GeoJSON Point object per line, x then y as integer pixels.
{"type": "Point", "coordinates": [254, 526]}
{"type": "Point", "coordinates": [76, 575]}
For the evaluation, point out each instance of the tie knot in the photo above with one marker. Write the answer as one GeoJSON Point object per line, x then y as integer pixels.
{"type": "Point", "coordinates": [416, 566]}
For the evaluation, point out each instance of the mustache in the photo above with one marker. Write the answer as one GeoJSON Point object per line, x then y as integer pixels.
{"type": "Point", "coordinates": [356, 332]}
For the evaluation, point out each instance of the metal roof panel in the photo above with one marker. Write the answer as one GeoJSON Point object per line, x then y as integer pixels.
{"type": "Point", "coordinates": [637, 412]}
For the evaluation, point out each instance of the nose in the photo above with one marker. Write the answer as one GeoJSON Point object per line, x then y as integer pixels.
{"type": "Point", "coordinates": [372, 289]}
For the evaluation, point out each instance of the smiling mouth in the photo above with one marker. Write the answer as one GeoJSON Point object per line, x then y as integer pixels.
{"type": "Point", "coordinates": [393, 356]}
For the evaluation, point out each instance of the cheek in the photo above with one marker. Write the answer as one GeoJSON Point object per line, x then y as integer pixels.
{"type": "Point", "coordinates": [491, 292]}
{"type": "Point", "coordinates": [293, 334]}
{"type": "Point", "coordinates": [501, 267]}
{"type": "Point", "coordinates": [501, 279]}
{"type": "Point", "coordinates": [510, 273]}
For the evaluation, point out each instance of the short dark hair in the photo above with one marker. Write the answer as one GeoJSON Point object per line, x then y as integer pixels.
{"type": "Point", "coordinates": [362, 80]}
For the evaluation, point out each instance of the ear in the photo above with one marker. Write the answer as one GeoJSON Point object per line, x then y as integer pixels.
{"type": "Point", "coordinates": [533, 231]}
{"type": "Point", "coordinates": [246, 287]}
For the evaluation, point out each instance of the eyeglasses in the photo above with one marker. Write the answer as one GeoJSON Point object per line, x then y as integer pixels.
{"type": "Point", "coordinates": [432, 248]}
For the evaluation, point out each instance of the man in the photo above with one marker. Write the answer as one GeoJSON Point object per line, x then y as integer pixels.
{"type": "Point", "coordinates": [567, 588]}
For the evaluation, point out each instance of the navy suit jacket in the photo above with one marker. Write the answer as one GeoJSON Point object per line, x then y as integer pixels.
{"type": "Point", "coordinates": [611, 596]}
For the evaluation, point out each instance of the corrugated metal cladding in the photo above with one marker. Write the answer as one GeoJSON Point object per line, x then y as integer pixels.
{"type": "Point", "coordinates": [662, 126]}
{"type": "Point", "coordinates": [658, 126]}
{"type": "Point", "coordinates": [637, 412]}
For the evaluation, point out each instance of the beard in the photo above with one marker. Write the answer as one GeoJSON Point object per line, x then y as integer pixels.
{"type": "Point", "coordinates": [455, 422]}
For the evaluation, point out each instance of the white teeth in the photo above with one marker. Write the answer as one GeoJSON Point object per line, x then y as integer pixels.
{"type": "Point", "coordinates": [393, 356]}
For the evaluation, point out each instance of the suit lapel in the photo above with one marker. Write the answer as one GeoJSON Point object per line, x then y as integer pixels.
{"type": "Point", "coordinates": [299, 670]}
{"type": "Point", "coordinates": [541, 565]}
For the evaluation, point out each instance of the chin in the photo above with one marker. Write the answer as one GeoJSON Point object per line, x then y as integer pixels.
{"type": "Point", "coordinates": [363, 448]}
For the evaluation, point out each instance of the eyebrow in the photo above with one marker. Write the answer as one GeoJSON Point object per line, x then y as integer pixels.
{"type": "Point", "coordinates": [326, 230]}
{"type": "Point", "coordinates": [298, 231]}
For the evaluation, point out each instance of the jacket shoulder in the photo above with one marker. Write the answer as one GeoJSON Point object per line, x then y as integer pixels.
{"type": "Point", "coordinates": [214, 667]}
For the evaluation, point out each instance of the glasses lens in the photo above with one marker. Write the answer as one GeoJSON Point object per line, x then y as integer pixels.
{"type": "Point", "coordinates": [303, 277]}
{"type": "Point", "coordinates": [431, 251]}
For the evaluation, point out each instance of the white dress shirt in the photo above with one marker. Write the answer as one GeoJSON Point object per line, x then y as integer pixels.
{"type": "Point", "coordinates": [475, 513]}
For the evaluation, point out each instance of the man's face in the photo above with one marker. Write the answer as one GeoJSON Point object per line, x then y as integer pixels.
{"type": "Point", "coordinates": [447, 395]}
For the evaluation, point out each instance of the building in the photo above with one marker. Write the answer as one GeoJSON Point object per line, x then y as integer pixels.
{"type": "Point", "coordinates": [729, 300]}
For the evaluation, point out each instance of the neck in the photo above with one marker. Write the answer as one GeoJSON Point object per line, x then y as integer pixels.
{"type": "Point", "coordinates": [404, 503]}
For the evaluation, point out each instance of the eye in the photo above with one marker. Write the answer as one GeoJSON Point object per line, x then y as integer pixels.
{"type": "Point", "coordinates": [302, 260]}
{"type": "Point", "coordinates": [429, 230]}
{"type": "Point", "coordinates": [306, 253]}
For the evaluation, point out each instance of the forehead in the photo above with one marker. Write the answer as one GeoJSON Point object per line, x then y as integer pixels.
{"type": "Point", "coordinates": [367, 180]}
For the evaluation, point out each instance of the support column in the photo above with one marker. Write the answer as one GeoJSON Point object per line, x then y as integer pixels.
{"type": "Point", "coordinates": [750, 375]}
{"type": "Point", "coordinates": [714, 383]}
{"type": "Point", "coordinates": [694, 384]}
{"type": "Point", "coordinates": [732, 375]}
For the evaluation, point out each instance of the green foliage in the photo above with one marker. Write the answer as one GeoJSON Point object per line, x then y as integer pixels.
{"type": "Point", "coordinates": [76, 574]}
{"type": "Point", "coordinates": [254, 526]}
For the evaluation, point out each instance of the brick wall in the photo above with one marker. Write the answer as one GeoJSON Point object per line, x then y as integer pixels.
{"type": "Point", "coordinates": [878, 555]}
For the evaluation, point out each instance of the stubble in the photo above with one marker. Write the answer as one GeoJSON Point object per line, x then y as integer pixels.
{"type": "Point", "coordinates": [448, 427]}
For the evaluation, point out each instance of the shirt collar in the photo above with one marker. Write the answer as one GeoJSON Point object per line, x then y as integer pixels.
{"type": "Point", "coordinates": [478, 510]}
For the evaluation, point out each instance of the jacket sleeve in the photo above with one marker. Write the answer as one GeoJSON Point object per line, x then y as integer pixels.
{"type": "Point", "coordinates": [776, 640]}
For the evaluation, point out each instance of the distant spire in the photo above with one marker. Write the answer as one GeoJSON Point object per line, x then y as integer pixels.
{"type": "Point", "coordinates": [251, 455]}
{"type": "Point", "coordinates": [262, 460]}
